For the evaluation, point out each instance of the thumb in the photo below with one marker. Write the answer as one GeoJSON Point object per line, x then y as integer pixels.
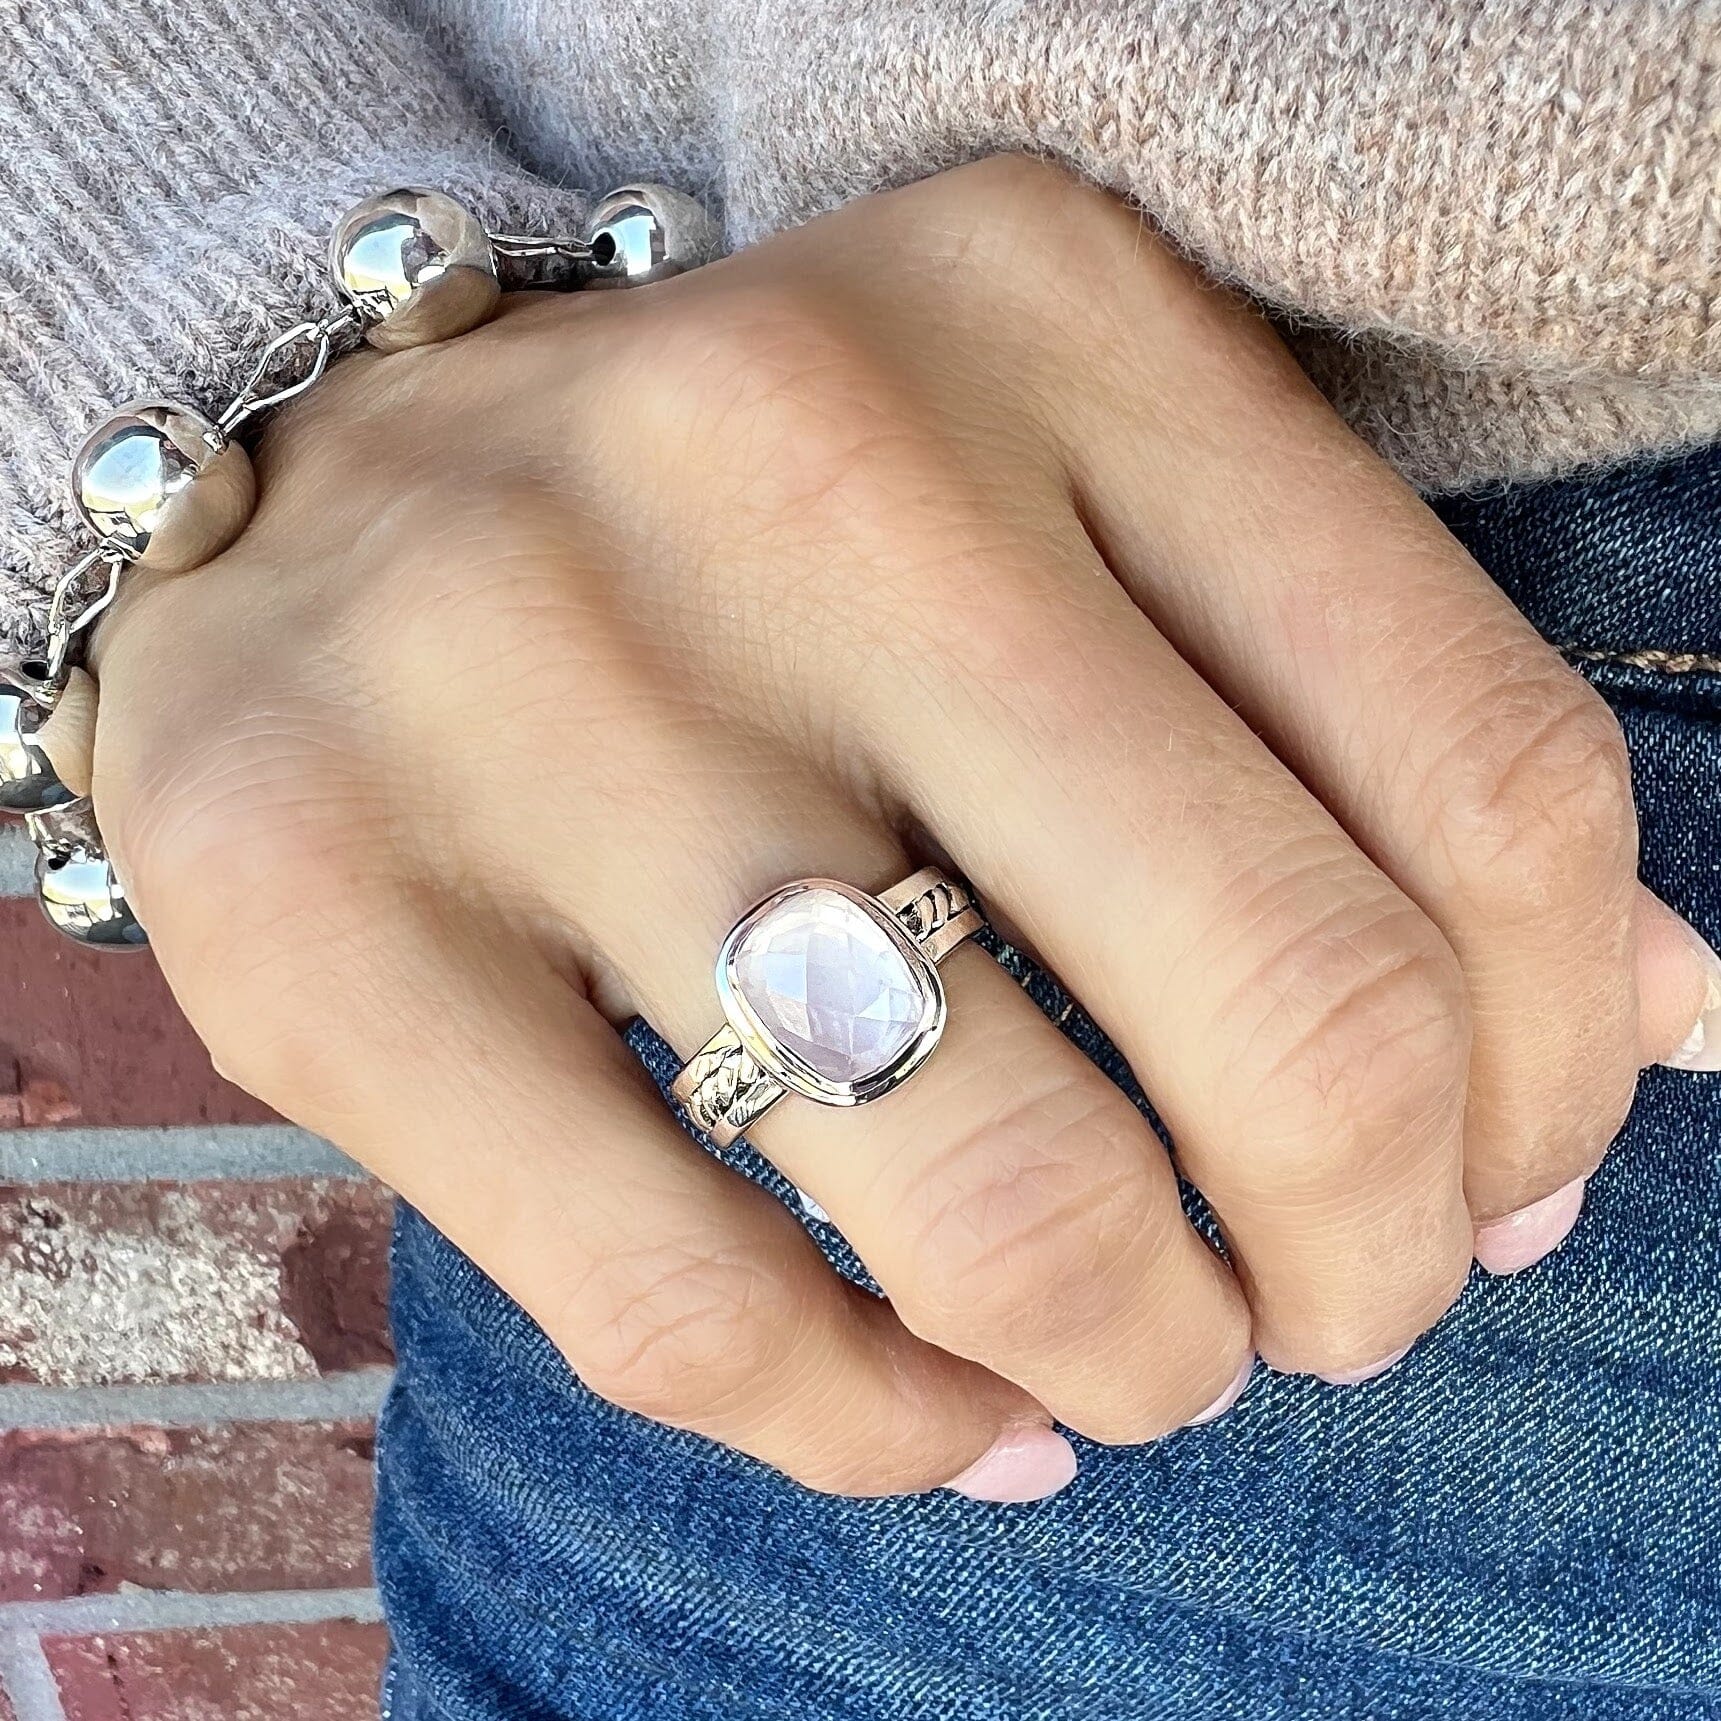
{"type": "Point", "coordinates": [1679, 990]}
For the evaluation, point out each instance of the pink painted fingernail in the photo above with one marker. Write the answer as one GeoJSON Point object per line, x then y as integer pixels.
{"type": "Point", "coordinates": [1356, 1376]}
{"type": "Point", "coordinates": [1521, 1239]}
{"type": "Point", "coordinates": [1022, 1464]}
{"type": "Point", "coordinates": [1701, 1051]}
{"type": "Point", "coordinates": [1227, 1398]}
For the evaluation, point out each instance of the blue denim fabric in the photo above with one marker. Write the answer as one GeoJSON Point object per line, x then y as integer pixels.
{"type": "Point", "coordinates": [1522, 1522]}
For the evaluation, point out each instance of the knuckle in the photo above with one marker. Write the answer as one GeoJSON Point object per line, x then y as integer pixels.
{"type": "Point", "coordinates": [1352, 1043]}
{"type": "Point", "coordinates": [1003, 198]}
{"type": "Point", "coordinates": [1403, 1302]}
{"type": "Point", "coordinates": [1532, 820]}
{"type": "Point", "coordinates": [756, 345]}
{"type": "Point", "coordinates": [1013, 183]}
{"type": "Point", "coordinates": [1033, 1224]}
{"type": "Point", "coordinates": [686, 1335]}
{"type": "Point", "coordinates": [769, 398]}
{"type": "Point", "coordinates": [254, 860]}
{"type": "Point", "coordinates": [1533, 805]}
{"type": "Point", "coordinates": [1096, 265]}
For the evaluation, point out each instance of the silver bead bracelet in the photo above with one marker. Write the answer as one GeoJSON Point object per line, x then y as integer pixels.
{"type": "Point", "coordinates": [163, 486]}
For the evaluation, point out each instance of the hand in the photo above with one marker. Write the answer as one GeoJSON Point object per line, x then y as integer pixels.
{"type": "Point", "coordinates": [965, 519]}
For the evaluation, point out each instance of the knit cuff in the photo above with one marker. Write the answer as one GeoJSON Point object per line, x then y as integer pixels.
{"type": "Point", "coordinates": [170, 211]}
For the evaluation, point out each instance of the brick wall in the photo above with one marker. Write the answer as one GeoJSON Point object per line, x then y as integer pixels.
{"type": "Point", "coordinates": [192, 1351]}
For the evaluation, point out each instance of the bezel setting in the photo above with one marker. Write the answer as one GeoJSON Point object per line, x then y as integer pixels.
{"type": "Point", "coordinates": [782, 1061]}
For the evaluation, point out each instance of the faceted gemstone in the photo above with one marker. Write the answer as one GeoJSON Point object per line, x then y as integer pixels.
{"type": "Point", "coordinates": [826, 980]}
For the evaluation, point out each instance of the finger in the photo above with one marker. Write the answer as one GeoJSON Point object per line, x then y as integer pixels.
{"type": "Point", "coordinates": [1321, 598]}
{"type": "Point", "coordinates": [649, 854]}
{"type": "Point", "coordinates": [1679, 982]}
{"type": "Point", "coordinates": [1009, 1199]}
{"type": "Point", "coordinates": [454, 1062]}
{"type": "Point", "coordinates": [68, 736]}
{"type": "Point", "coordinates": [1679, 1023]}
{"type": "Point", "coordinates": [1300, 1025]}
{"type": "Point", "coordinates": [1679, 988]}
{"type": "Point", "coordinates": [1018, 1211]}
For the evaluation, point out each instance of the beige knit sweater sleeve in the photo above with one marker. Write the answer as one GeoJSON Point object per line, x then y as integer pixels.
{"type": "Point", "coordinates": [1492, 227]}
{"type": "Point", "coordinates": [169, 172]}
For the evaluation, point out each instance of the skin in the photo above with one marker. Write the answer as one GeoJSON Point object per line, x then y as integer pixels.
{"type": "Point", "coordinates": [966, 521]}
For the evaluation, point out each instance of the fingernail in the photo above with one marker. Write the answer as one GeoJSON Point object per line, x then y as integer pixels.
{"type": "Point", "coordinates": [1701, 1050]}
{"type": "Point", "coordinates": [1021, 1465]}
{"type": "Point", "coordinates": [810, 1207]}
{"type": "Point", "coordinates": [1227, 1398]}
{"type": "Point", "coordinates": [1356, 1376]}
{"type": "Point", "coordinates": [1521, 1239]}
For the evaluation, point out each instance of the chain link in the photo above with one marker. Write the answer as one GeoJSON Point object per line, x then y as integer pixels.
{"type": "Point", "coordinates": [131, 498]}
{"type": "Point", "coordinates": [67, 830]}
{"type": "Point", "coordinates": [320, 335]}
{"type": "Point", "coordinates": [64, 624]}
{"type": "Point", "coordinates": [527, 247]}
{"type": "Point", "coordinates": [291, 362]}
{"type": "Point", "coordinates": [321, 338]}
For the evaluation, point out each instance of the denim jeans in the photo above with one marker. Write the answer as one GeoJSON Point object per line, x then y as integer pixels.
{"type": "Point", "coordinates": [1522, 1520]}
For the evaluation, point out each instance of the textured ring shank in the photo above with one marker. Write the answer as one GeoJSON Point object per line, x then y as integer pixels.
{"type": "Point", "coordinates": [938, 911]}
{"type": "Point", "coordinates": [723, 1087]}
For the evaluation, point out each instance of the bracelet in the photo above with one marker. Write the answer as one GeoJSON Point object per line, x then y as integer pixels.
{"type": "Point", "coordinates": [163, 486]}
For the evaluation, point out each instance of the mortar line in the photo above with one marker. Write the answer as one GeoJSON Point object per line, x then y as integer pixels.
{"type": "Point", "coordinates": [352, 1396]}
{"type": "Point", "coordinates": [27, 1680]}
{"type": "Point", "coordinates": [192, 1153]}
{"type": "Point", "coordinates": [17, 864]}
{"type": "Point", "coordinates": [180, 1610]}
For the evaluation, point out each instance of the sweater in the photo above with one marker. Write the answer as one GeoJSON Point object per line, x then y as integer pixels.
{"type": "Point", "coordinates": [1491, 229]}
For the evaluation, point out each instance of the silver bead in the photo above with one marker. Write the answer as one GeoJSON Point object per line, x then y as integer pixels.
{"type": "Point", "coordinates": [416, 265]}
{"type": "Point", "coordinates": [645, 233]}
{"type": "Point", "coordinates": [160, 484]}
{"type": "Point", "coordinates": [28, 781]}
{"type": "Point", "coordinates": [76, 884]}
{"type": "Point", "coordinates": [82, 898]}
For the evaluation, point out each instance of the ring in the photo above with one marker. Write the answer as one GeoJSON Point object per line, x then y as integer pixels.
{"type": "Point", "coordinates": [828, 993]}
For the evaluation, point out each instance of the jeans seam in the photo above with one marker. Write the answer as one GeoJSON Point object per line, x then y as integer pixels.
{"type": "Point", "coordinates": [1654, 658]}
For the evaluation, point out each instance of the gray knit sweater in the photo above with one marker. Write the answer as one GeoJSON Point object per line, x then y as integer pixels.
{"type": "Point", "coordinates": [1492, 227]}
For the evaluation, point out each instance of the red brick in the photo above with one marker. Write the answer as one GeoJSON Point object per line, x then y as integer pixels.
{"type": "Point", "coordinates": [259, 1506]}
{"type": "Point", "coordinates": [325, 1672]}
{"type": "Point", "coordinates": [98, 1038]}
{"type": "Point", "coordinates": [130, 1282]}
